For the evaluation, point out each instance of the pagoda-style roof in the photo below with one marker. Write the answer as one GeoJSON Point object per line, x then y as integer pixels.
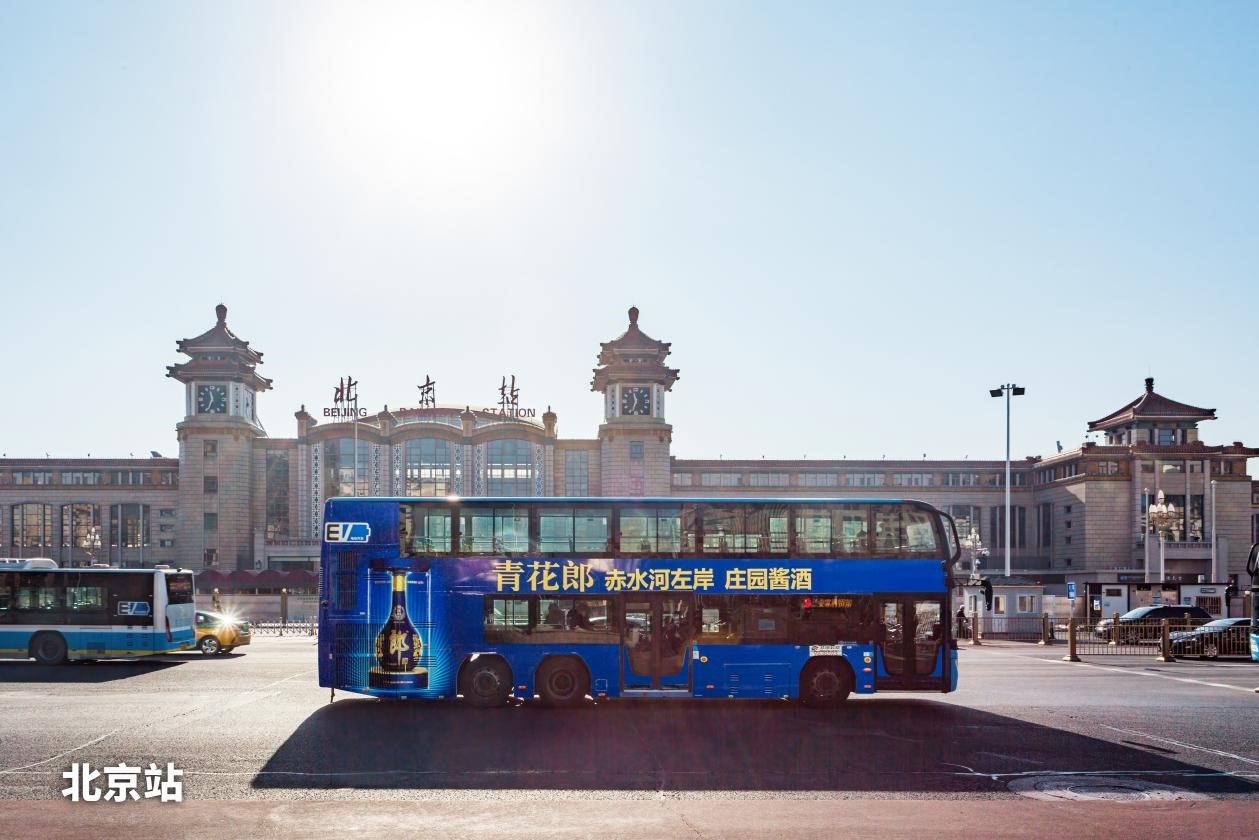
{"type": "Point", "coordinates": [218, 337]}
{"type": "Point", "coordinates": [219, 353]}
{"type": "Point", "coordinates": [633, 355]}
{"type": "Point", "coordinates": [1151, 407]}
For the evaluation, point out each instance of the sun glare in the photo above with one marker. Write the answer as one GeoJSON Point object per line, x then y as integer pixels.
{"type": "Point", "coordinates": [451, 97]}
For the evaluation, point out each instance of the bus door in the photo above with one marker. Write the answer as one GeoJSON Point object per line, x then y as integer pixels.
{"type": "Point", "coordinates": [912, 637]}
{"type": "Point", "coordinates": [657, 633]}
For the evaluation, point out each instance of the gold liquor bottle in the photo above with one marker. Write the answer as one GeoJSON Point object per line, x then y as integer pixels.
{"type": "Point", "coordinates": [398, 645]}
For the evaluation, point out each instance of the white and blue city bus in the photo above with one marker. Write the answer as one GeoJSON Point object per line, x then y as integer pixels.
{"type": "Point", "coordinates": [54, 615]}
{"type": "Point", "coordinates": [564, 598]}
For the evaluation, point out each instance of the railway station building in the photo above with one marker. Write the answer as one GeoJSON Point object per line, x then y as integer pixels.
{"type": "Point", "coordinates": [235, 498]}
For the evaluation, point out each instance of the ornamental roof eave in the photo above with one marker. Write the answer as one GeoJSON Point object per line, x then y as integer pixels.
{"type": "Point", "coordinates": [633, 342]}
{"type": "Point", "coordinates": [666, 376]}
{"type": "Point", "coordinates": [219, 337]}
{"type": "Point", "coordinates": [218, 368]}
{"type": "Point", "coordinates": [1151, 407]}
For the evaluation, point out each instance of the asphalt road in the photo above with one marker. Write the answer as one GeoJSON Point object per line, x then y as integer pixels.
{"type": "Point", "coordinates": [1025, 732]}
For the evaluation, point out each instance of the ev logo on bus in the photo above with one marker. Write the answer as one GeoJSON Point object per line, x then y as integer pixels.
{"type": "Point", "coordinates": [134, 608]}
{"type": "Point", "coordinates": [346, 532]}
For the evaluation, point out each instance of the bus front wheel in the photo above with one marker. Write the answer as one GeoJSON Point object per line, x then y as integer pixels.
{"type": "Point", "coordinates": [562, 681]}
{"type": "Point", "coordinates": [49, 649]}
{"type": "Point", "coordinates": [825, 684]}
{"type": "Point", "coordinates": [486, 682]}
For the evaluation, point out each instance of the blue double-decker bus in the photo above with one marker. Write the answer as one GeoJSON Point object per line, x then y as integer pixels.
{"type": "Point", "coordinates": [562, 599]}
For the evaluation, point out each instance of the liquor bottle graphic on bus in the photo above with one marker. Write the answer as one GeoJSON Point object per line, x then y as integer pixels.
{"type": "Point", "coordinates": [398, 645]}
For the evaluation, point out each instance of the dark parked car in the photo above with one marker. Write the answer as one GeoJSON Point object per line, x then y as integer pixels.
{"type": "Point", "coordinates": [1224, 636]}
{"type": "Point", "coordinates": [1145, 623]}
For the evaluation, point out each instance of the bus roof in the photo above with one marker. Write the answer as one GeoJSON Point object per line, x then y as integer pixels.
{"type": "Point", "coordinates": [80, 569]}
{"type": "Point", "coordinates": [594, 500]}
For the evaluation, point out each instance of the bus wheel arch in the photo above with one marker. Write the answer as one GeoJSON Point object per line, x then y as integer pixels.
{"type": "Point", "coordinates": [485, 680]}
{"type": "Point", "coordinates": [48, 647]}
{"type": "Point", "coordinates": [826, 681]}
{"type": "Point", "coordinates": [562, 680]}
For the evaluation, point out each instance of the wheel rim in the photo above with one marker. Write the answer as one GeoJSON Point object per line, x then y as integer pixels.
{"type": "Point", "coordinates": [1210, 650]}
{"type": "Point", "coordinates": [210, 644]}
{"type": "Point", "coordinates": [825, 685]}
{"type": "Point", "coordinates": [562, 684]}
{"type": "Point", "coordinates": [48, 648]}
{"type": "Point", "coordinates": [485, 683]}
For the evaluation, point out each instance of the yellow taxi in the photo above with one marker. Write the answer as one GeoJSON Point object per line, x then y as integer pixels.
{"type": "Point", "coordinates": [220, 632]}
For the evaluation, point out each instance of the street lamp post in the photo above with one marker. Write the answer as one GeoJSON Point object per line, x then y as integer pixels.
{"type": "Point", "coordinates": [1162, 517]}
{"type": "Point", "coordinates": [1007, 391]}
{"type": "Point", "coordinates": [1214, 543]}
{"type": "Point", "coordinates": [92, 543]}
{"type": "Point", "coordinates": [1146, 528]}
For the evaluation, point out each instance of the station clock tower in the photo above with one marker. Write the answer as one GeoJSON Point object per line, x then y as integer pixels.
{"type": "Point", "coordinates": [216, 448]}
{"type": "Point", "coordinates": [634, 436]}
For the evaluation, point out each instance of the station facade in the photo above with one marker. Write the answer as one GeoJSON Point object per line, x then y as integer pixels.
{"type": "Point", "coordinates": [236, 498]}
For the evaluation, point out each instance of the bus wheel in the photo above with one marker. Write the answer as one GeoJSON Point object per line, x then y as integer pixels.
{"type": "Point", "coordinates": [49, 649]}
{"type": "Point", "coordinates": [486, 682]}
{"type": "Point", "coordinates": [562, 681]}
{"type": "Point", "coordinates": [825, 684]}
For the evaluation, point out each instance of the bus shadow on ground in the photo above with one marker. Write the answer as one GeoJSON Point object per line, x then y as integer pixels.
{"type": "Point", "coordinates": [81, 672]}
{"type": "Point", "coordinates": [889, 745]}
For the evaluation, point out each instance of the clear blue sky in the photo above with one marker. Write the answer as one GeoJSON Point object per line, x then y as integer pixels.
{"type": "Point", "coordinates": [851, 220]}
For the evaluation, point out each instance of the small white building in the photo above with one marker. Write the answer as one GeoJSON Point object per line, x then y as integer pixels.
{"type": "Point", "coordinates": [1016, 601]}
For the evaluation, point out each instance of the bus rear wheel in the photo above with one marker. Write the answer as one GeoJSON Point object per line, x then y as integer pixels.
{"type": "Point", "coordinates": [486, 682]}
{"type": "Point", "coordinates": [825, 685]}
{"type": "Point", "coordinates": [49, 649]}
{"type": "Point", "coordinates": [562, 681]}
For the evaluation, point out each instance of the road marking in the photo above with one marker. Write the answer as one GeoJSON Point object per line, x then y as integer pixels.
{"type": "Point", "coordinates": [1195, 774]}
{"type": "Point", "coordinates": [1181, 744]}
{"type": "Point", "coordinates": [60, 755]}
{"type": "Point", "coordinates": [277, 682]}
{"type": "Point", "coordinates": [1140, 673]}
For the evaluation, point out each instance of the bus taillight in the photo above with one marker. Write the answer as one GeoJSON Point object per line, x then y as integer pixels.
{"type": "Point", "coordinates": [169, 636]}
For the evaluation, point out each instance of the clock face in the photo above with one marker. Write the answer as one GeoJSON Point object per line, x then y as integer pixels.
{"type": "Point", "coordinates": [635, 402]}
{"type": "Point", "coordinates": [211, 399]}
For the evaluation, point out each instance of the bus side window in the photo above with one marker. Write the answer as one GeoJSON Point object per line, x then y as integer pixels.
{"type": "Point", "coordinates": [716, 620]}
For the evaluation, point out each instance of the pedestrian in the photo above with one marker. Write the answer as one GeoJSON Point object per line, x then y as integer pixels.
{"type": "Point", "coordinates": [961, 622]}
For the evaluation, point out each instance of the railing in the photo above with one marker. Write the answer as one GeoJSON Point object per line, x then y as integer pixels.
{"type": "Point", "coordinates": [1023, 628]}
{"type": "Point", "coordinates": [281, 628]}
{"type": "Point", "coordinates": [1165, 640]}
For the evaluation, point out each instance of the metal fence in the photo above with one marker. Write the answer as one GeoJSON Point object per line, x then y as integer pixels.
{"type": "Point", "coordinates": [1162, 640]}
{"type": "Point", "coordinates": [1024, 628]}
{"type": "Point", "coordinates": [281, 628]}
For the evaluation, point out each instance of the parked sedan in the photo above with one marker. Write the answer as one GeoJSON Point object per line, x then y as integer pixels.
{"type": "Point", "coordinates": [1145, 623]}
{"type": "Point", "coordinates": [1227, 636]}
